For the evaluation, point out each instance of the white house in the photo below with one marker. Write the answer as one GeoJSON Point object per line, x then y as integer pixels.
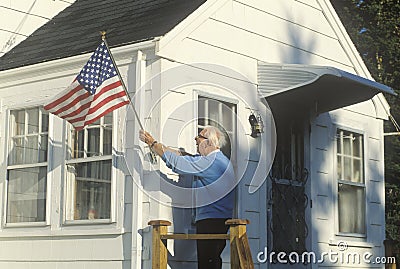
{"type": "Point", "coordinates": [83, 199]}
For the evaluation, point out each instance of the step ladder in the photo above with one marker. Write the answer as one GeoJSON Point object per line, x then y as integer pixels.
{"type": "Point", "coordinates": [239, 244]}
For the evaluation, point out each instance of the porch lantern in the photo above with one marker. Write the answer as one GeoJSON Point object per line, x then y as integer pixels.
{"type": "Point", "coordinates": [257, 125]}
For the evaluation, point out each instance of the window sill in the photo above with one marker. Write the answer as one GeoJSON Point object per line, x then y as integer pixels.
{"type": "Point", "coordinates": [26, 225]}
{"type": "Point", "coordinates": [87, 222]}
{"type": "Point", "coordinates": [345, 243]}
{"type": "Point", "coordinates": [354, 235]}
{"type": "Point", "coordinates": [89, 231]}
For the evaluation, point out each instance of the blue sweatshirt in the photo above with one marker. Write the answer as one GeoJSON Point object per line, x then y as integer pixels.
{"type": "Point", "coordinates": [214, 182]}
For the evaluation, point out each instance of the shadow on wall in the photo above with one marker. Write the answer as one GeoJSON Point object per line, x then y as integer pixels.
{"type": "Point", "coordinates": [322, 184]}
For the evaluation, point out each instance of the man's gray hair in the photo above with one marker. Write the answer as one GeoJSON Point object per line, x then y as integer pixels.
{"type": "Point", "coordinates": [215, 136]}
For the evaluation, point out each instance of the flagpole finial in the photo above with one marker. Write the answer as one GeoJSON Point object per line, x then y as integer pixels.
{"type": "Point", "coordinates": [103, 35]}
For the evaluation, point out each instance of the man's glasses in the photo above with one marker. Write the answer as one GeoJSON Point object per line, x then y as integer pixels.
{"type": "Point", "coordinates": [200, 136]}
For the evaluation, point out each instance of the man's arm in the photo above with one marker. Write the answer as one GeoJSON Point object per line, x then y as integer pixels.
{"type": "Point", "coordinates": [157, 147]}
{"type": "Point", "coordinates": [188, 165]}
{"type": "Point", "coordinates": [180, 162]}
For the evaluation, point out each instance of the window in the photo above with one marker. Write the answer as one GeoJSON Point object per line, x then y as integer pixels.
{"type": "Point", "coordinates": [89, 165]}
{"type": "Point", "coordinates": [27, 165]}
{"type": "Point", "coordinates": [220, 114]}
{"type": "Point", "coordinates": [351, 183]}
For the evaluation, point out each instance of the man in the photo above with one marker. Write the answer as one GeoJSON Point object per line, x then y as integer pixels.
{"type": "Point", "coordinates": [214, 178]}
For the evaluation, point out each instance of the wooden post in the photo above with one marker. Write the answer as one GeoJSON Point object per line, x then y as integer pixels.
{"type": "Point", "coordinates": [390, 252]}
{"type": "Point", "coordinates": [159, 250]}
{"type": "Point", "coordinates": [237, 232]}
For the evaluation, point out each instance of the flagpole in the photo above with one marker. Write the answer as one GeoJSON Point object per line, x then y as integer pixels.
{"type": "Point", "coordinates": [103, 37]}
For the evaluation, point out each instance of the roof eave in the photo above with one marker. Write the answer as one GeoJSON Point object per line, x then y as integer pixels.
{"type": "Point", "coordinates": [67, 66]}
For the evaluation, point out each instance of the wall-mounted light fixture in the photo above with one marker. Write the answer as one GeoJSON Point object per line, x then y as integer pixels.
{"type": "Point", "coordinates": [257, 125]}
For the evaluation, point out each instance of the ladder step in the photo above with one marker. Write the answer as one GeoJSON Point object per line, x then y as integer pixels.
{"type": "Point", "coordinates": [195, 236]}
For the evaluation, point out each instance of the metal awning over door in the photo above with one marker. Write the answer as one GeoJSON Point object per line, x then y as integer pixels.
{"type": "Point", "coordinates": [297, 89]}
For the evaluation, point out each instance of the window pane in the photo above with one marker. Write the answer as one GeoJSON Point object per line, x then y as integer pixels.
{"type": "Point", "coordinates": [97, 122]}
{"type": "Point", "coordinates": [199, 130]}
{"type": "Point", "coordinates": [108, 119]}
{"type": "Point", "coordinates": [31, 150]}
{"type": "Point", "coordinates": [26, 198]}
{"type": "Point", "coordinates": [213, 112]}
{"type": "Point", "coordinates": [45, 121]}
{"type": "Point", "coordinates": [351, 200]}
{"type": "Point", "coordinates": [339, 143]}
{"type": "Point", "coordinates": [227, 112]}
{"type": "Point", "coordinates": [18, 122]}
{"type": "Point", "coordinates": [43, 148]}
{"type": "Point", "coordinates": [339, 167]}
{"type": "Point", "coordinates": [347, 168]}
{"type": "Point", "coordinates": [33, 120]}
{"type": "Point", "coordinates": [93, 142]}
{"type": "Point", "coordinates": [357, 146]}
{"type": "Point", "coordinates": [17, 151]}
{"type": "Point", "coordinates": [107, 141]}
{"type": "Point", "coordinates": [357, 171]}
{"type": "Point", "coordinates": [227, 149]}
{"type": "Point", "coordinates": [89, 190]}
{"type": "Point", "coordinates": [77, 144]}
{"type": "Point", "coordinates": [347, 141]}
{"type": "Point", "coordinates": [201, 112]}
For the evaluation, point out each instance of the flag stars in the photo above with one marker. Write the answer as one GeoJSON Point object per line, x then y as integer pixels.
{"type": "Point", "coordinates": [97, 69]}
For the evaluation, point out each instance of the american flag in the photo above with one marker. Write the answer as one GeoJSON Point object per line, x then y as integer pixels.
{"type": "Point", "coordinates": [95, 92]}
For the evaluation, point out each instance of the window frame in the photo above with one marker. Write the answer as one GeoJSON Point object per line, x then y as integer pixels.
{"type": "Point", "coordinates": [8, 167]}
{"type": "Point", "coordinates": [349, 183]}
{"type": "Point", "coordinates": [69, 160]}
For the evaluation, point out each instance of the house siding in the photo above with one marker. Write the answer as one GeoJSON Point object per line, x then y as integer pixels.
{"type": "Point", "coordinates": [280, 33]}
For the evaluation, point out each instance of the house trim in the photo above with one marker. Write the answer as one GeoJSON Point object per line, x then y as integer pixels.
{"type": "Point", "coordinates": [66, 66]}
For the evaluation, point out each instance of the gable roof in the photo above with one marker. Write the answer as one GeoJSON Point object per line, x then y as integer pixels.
{"type": "Point", "coordinates": [76, 29]}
